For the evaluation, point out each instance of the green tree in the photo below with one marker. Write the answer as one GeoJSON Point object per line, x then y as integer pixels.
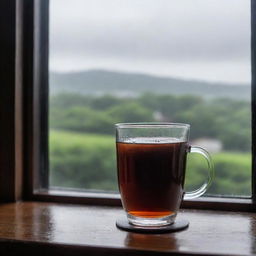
{"type": "Point", "coordinates": [68, 100]}
{"type": "Point", "coordinates": [106, 101]}
{"type": "Point", "coordinates": [130, 112]}
{"type": "Point", "coordinates": [82, 119]}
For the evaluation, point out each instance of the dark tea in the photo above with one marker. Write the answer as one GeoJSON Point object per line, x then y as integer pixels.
{"type": "Point", "coordinates": [151, 175]}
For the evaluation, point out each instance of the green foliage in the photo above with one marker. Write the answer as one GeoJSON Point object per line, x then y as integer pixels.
{"type": "Point", "coordinates": [168, 105]}
{"type": "Point", "coordinates": [232, 173]}
{"type": "Point", "coordinates": [82, 161]}
{"type": "Point", "coordinates": [82, 149]}
{"type": "Point", "coordinates": [223, 119]}
{"type": "Point", "coordinates": [130, 112]}
{"type": "Point", "coordinates": [88, 161]}
{"type": "Point", "coordinates": [105, 102]}
{"type": "Point", "coordinates": [68, 100]}
{"type": "Point", "coordinates": [82, 119]}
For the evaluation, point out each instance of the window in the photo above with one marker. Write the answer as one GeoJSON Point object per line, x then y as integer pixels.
{"type": "Point", "coordinates": [35, 63]}
{"type": "Point", "coordinates": [129, 61]}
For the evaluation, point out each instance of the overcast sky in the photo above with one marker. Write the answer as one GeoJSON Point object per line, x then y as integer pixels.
{"type": "Point", "coordinates": [198, 39]}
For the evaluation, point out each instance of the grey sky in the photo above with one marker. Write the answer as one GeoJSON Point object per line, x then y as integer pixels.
{"type": "Point", "coordinates": [200, 39]}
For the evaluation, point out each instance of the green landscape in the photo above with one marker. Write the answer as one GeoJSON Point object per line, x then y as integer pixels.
{"type": "Point", "coordinates": [87, 161]}
{"type": "Point", "coordinates": [82, 144]}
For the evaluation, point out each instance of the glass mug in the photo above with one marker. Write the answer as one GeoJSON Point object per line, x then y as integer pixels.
{"type": "Point", "coordinates": [151, 163]}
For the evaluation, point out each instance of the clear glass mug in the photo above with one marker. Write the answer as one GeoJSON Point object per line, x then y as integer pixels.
{"type": "Point", "coordinates": [151, 163]}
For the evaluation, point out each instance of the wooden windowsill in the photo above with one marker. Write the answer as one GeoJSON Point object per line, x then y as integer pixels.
{"type": "Point", "coordinates": [64, 229]}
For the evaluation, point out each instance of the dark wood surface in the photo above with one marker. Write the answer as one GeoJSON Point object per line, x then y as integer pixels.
{"type": "Point", "coordinates": [34, 227]}
{"type": "Point", "coordinates": [77, 197]}
{"type": "Point", "coordinates": [114, 199]}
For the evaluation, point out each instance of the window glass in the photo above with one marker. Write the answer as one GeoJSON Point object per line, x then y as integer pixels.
{"type": "Point", "coordinates": [149, 60]}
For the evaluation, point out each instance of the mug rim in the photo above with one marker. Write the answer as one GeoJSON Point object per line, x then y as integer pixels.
{"type": "Point", "coordinates": [152, 125]}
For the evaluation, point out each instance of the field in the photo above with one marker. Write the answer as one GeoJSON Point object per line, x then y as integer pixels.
{"type": "Point", "coordinates": [87, 161]}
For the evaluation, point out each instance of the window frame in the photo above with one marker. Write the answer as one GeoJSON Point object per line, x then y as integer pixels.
{"type": "Point", "coordinates": [26, 147]}
{"type": "Point", "coordinates": [253, 96]}
{"type": "Point", "coordinates": [35, 30]}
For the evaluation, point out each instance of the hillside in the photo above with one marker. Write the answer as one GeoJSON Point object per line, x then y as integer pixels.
{"type": "Point", "coordinates": [98, 82]}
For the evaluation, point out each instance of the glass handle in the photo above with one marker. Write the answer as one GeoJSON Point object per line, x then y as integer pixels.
{"type": "Point", "coordinates": [200, 191]}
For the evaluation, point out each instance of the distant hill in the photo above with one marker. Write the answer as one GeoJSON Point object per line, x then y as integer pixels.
{"type": "Point", "coordinates": [98, 82]}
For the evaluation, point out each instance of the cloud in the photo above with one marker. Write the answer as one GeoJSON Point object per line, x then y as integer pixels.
{"type": "Point", "coordinates": [150, 30]}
